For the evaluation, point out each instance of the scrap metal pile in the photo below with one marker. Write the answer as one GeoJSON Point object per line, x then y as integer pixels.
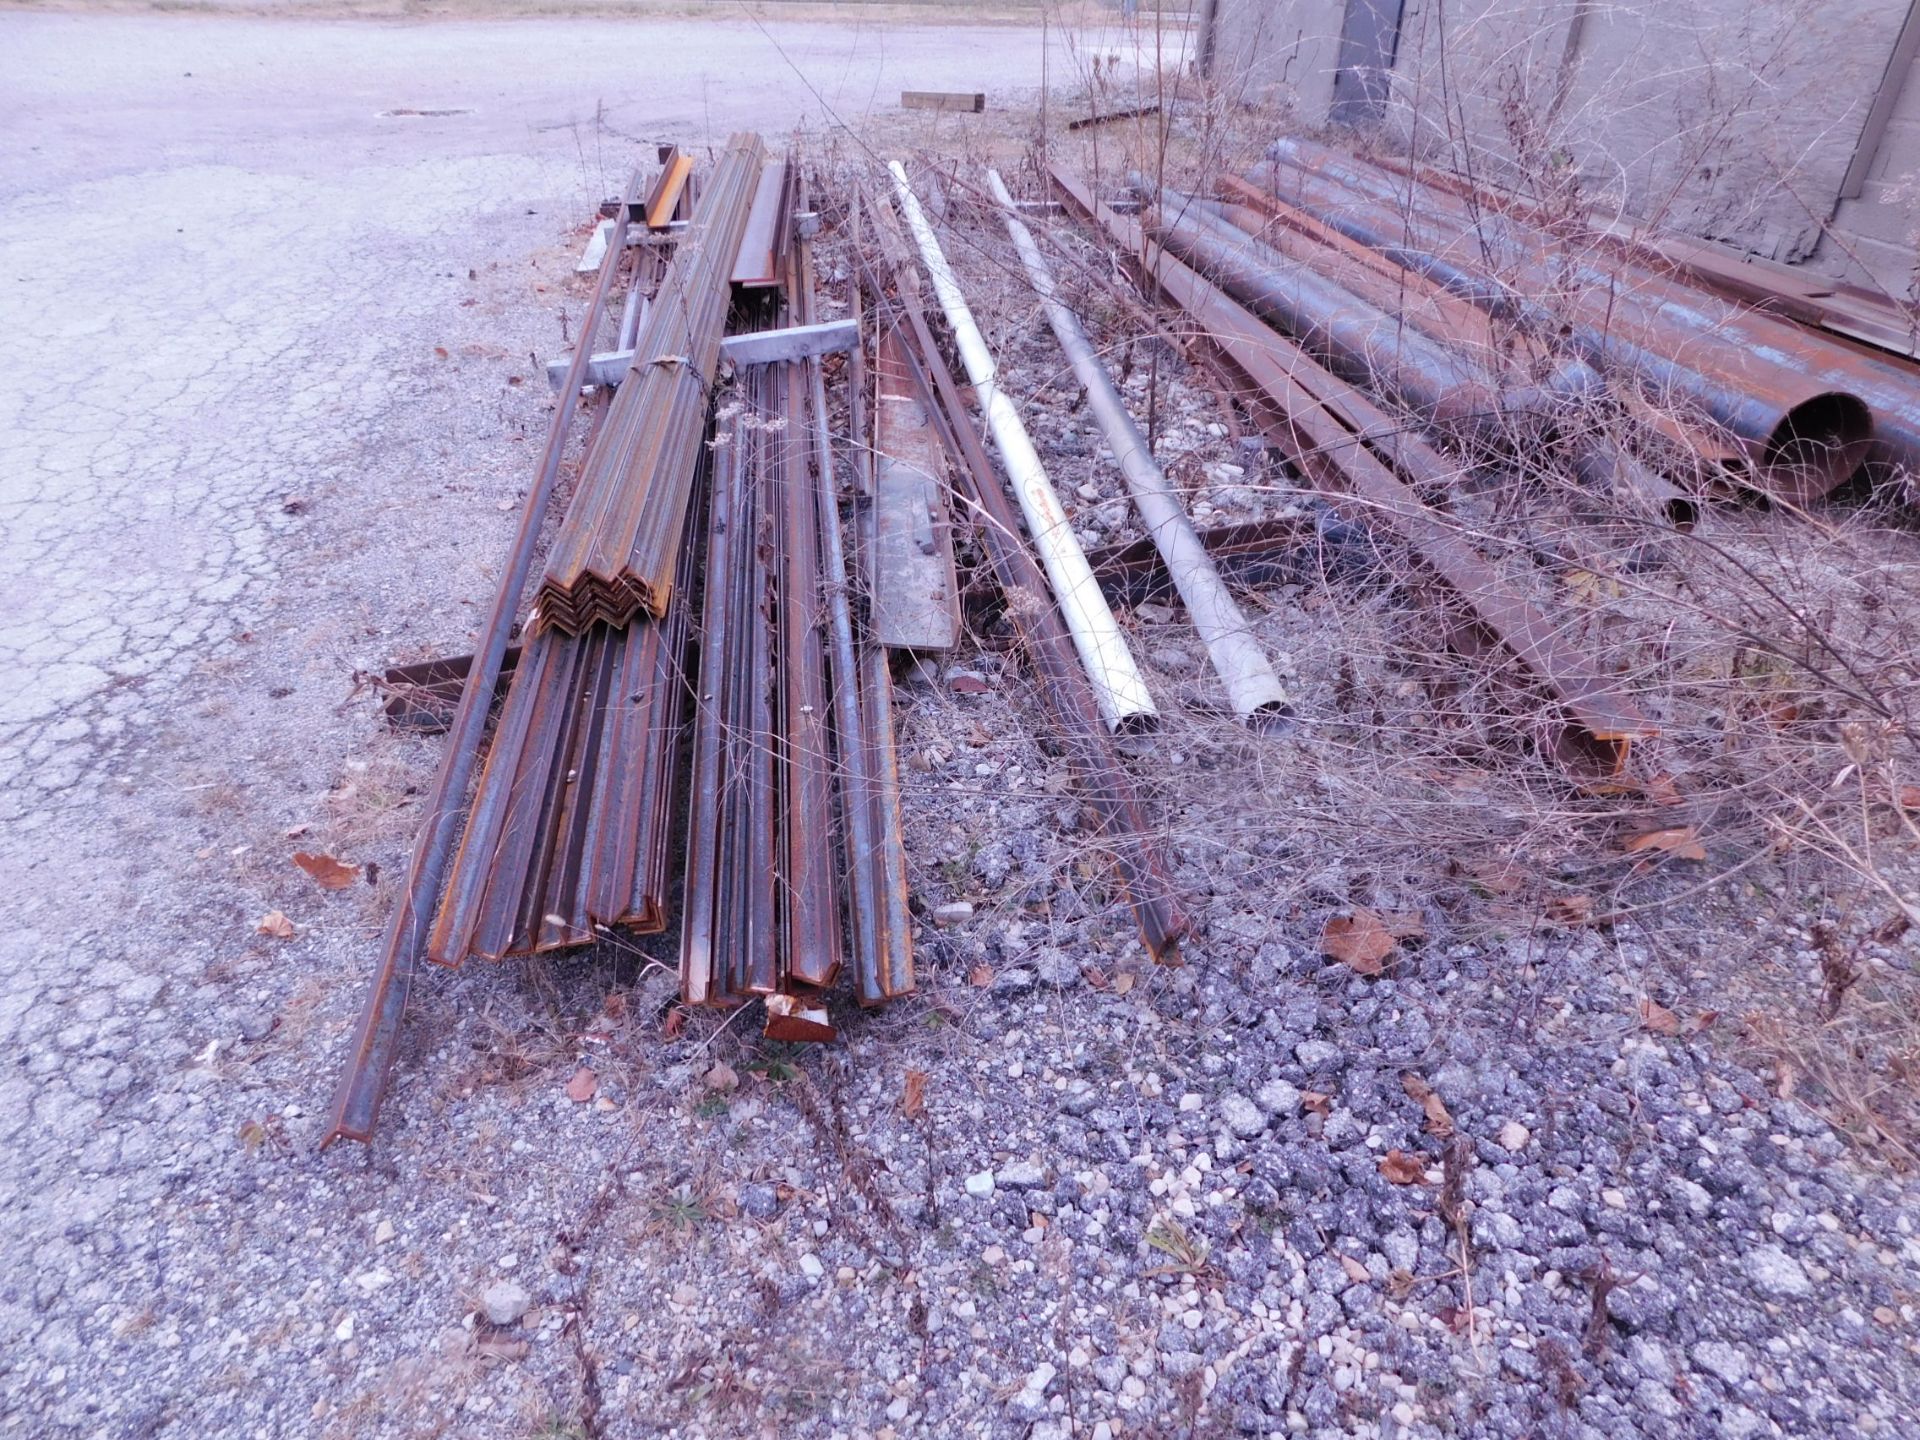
{"type": "Point", "coordinates": [698, 734]}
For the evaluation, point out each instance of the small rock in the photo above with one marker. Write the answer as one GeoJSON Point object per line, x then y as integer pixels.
{"type": "Point", "coordinates": [505, 1302]}
{"type": "Point", "coordinates": [811, 1267]}
{"type": "Point", "coordinates": [762, 1202]}
{"type": "Point", "coordinates": [1279, 1098]}
{"type": "Point", "coordinates": [383, 1232]}
{"type": "Point", "coordinates": [980, 1184]}
{"type": "Point", "coordinates": [1243, 1117]}
{"type": "Point", "coordinates": [954, 912]}
{"type": "Point", "coordinates": [1719, 1358]}
{"type": "Point", "coordinates": [1776, 1274]}
{"type": "Point", "coordinates": [1019, 1175]}
{"type": "Point", "coordinates": [1054, 968]}
{"type": "Point", "coordinates": [1315, 1053]}
{"type": "Point", "coordinates": [1514, 1136]}
{"type": "Point", "coordinates": [256, 1026]}
{"type": "Point", "coordinates": [1013, 982]}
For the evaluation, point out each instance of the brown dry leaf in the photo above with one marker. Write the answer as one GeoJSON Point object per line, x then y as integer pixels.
{"type": "Point", "coordinates": [1360, 940]}
{"type": "Point", "coordinates": [968, 685]}
{"type": "Point", "coordinates": [1356, 1272]}
{"type": "Point", "coordinates": [582, 1086]}
{"type": "Point", "coordinates": [1314, 1103]}
{"type": "Point", "coordinates": [1096, 977]}
{"type": "Point", "coordinates": [1703, 1021]}
{"type": "Point", "coordinates": [980, 976]}
{"type": "Point", "coordinates": [1570, 909]}
{"type": "Point", "coordinates": [327, 872]}
{"type": "Point", "coordinates": [1657, 1018]}
{"type": "Point", "coordinates": [1680, 841]}
{"type": "Point", "coordinates": [1907, 797]}
{"type": "Point", "coordinates": [1404, 924]}
{"type": "Point", "coordinates": [1400, 1168]}
{"type": "Point", "coordinates": [1439, 1121]}
{"type": "Point", "coordinates": [675, 1023]}
{"type": "Point", "coordinates": [913, 1096]}
{"type": "Point", "coordinates": [722, 1077]}
{"type": "Point", "coordinates": [1123, 982]}
{"type": "Point", "coordinates": [441, 351]}
{"type": "Point", "coordinates": [275, 924]}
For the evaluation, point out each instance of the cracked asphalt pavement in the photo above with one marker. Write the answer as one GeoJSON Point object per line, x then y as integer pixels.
{"type": "Point", "coordinates": [271, 348]}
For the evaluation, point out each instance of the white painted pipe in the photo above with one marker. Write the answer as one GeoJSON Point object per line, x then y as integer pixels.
{"type": "Point", "coordinates": [1118, 687]}
{"type": "Point", "coordinates": [1252, 687]}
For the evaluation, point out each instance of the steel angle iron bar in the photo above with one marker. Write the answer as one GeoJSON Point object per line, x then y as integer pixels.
{"type": "Point", "coordinates": [1252, 687]}
{"type": "Point", "coordinates": [1118, 685]}
{"type": "Point", "coordinates": [363, 1081]}
{"type": "Point", "coordinates": [1083, 736]}
{"type": "Point", "coordinates": [616, 553]}
{"type": "Point", "coordinates": [881, 940]}
{"type": "Point", "coordinates": [1602, 723]}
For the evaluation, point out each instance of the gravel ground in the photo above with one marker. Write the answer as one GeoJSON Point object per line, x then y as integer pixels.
{"type": "Point", "coordinates": [1486, 1193]}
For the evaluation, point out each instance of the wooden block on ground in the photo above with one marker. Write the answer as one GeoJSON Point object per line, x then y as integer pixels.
{"type": "Point", "coordinates": [972, 102]}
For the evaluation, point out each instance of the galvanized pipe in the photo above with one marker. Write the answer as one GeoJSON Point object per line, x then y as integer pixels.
{"type": "Point", "coordinates": [1252, 687]}
{"type": "Point", "coordinates": [1117, 683]}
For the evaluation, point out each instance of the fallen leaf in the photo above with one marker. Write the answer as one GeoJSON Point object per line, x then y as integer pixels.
{"type": "Point", "coordinates": [582, 1086]}
{"type": "Point", "coordinates": [327, 872]}
{"type": "Point", "coordinates": [1680, 841]}
{"type": "Point", "coordinates": [1315, 1103]}
{"type": "Point", "coordinates": [513, 379]}
{"type": "Point", "coordinates": [1455, 1317]}
{"type": "Point", "coordinates": [1908, 797]}
{"type": "Point", "coordinates": [252, 1134]}
{"type": "Point", "coordinates": [1657, 1018]}
{"type": "Point", "coordinates": [1356, 1272]}
{"type": "Point", "coordinates": [1096, 977]}
{"type": "Point", "coordinates": [1702, 1021]}
{"type": "Point", "coordinates": [968, 685]}
{"type": "Point", "coordinates": [1360, 940]}
{"type": "Point", "coordinates": [499, 1347]}
{"type": "Point", "coordinates": [722, 1077]}
{"type": "Point", "coordinates": [1497, 876]}
{"type": "Point", "coordinates": [1404, 924]}
{"type": "Point", "coordinates": [913, 1097]}
{"type": "Point", "coordinates": [275, 924]}
{"type": "Point", "coordinates": [1570, 909]}
{"type": "Point", "coordinates": [1123, 982]}
{"type": "Point", "coordinates": [441, 351]}
{"type": "Point", "coordinates": [1439, 1122]}
{"type": "Point", "coordinates": [1400, 1168]}
{"type": "Point", "coordinates": [676, 1022]}
{"type": "Point", "coordinates": [980, 976]}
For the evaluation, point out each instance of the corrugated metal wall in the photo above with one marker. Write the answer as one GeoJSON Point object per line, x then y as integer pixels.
{"type": "Point", "coordinates": [1735, 119]}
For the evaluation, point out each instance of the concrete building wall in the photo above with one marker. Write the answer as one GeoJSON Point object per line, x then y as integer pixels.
{"type": "Point", "coordinates": [1735, 119]}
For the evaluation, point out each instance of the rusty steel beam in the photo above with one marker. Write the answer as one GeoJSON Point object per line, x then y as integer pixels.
{"type": "Point", "coordinates": [362, 1085]}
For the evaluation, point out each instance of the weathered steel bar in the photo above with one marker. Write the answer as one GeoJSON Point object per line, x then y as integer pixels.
{"type": "Point", "coordinates": [1117, 682]}
{"type": "Point", "coordinates": [1252, 687]}
{"type": "Point", "coordinates": [362, 1086]}
{"type": "Point", "coordinates": [912, 590]}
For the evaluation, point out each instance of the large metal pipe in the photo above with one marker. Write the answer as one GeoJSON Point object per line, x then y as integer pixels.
{"type": "Point", "coordinates": [1801, 435]}
{"type": "Point", "coordinates": [1364, 342]}
{"type": "Point", "coordinates": [1252, 687]}
{"type": "Point", "coordinates": [1118, 686]}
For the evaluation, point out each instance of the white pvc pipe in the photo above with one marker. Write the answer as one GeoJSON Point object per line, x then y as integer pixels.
{"type": "Point", "coordinates": [1118, 687]}
{"type": "Point", "coordinates": [1252, 687]}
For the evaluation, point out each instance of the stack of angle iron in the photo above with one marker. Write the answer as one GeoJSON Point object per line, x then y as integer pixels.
{"type": "Point", "coordinates": [617, 551]}
{"type": "Point", "coordinates": [1789, 412]}
{"type": "Point", "coordinates": [792, 732]}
